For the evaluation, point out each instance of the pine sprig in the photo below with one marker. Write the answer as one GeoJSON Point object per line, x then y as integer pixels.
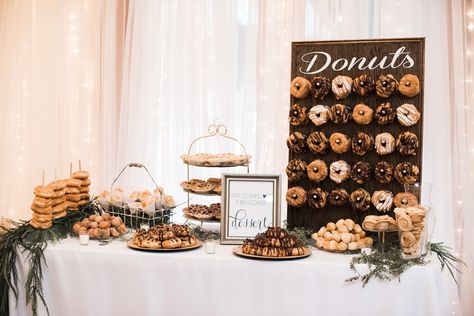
{"type": "Point", "coordinates": [383, 265]}
{"type": "Point", "coordinates": [303, 234]}
{"type": "Point", "coordinates": [448, 260]}
{"type": "Point", "coordinates": [26, 239]}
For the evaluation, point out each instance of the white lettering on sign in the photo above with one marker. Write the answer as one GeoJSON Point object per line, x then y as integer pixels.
{"type": "Point", "coordinates": [400, 58]}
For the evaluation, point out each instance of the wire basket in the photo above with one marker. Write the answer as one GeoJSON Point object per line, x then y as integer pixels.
{"type": "Point", "coordinates": [137, 218]}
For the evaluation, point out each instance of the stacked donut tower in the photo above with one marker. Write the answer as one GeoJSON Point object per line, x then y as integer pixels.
{"type": "Point", "coordinates": [342, 154]}
{"type": "Point", "coordinates": [52, 201]}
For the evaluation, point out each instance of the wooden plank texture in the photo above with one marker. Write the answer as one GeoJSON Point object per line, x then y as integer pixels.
{"type": "Point", "coordinates": [300, 66]}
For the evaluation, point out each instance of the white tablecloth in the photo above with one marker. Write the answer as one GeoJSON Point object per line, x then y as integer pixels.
{"type": "Point", "coordinates": [115, 280]}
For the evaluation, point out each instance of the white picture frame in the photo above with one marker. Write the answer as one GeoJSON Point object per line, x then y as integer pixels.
{"type": "Point", "coordinates": [250, 204]}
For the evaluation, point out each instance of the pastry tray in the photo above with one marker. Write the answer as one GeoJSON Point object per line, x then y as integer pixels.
{"type": "Point", "coordinates": [238, 251]}
{"type": "Point", "coordinates": [130, 244]}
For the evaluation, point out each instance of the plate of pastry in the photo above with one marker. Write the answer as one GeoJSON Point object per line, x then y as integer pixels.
{"type": "Point", "coordinates": [342, 236]}
{"type": "Point", "coordinates": [165, 238]}
{"type": "Point", "coordinates": [382, 223]}
{"type": "Point", "coordinates": [273, 244]}
{"type": "Point", "coordinates": [211, 186]}
{"type": "Point", "coordinates": [203, 213]}
{"type": "Point", "coordinates": [216, 160]}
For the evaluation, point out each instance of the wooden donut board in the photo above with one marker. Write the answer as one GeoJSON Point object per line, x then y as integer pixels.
{"type": "Point", "coordinates": [301, 66]}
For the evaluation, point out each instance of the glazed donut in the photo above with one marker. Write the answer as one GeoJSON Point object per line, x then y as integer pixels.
{"type": "Point", "coordinates": [320, 114]}
{"type": "Point", "coordinates": [338, 197]}
{"type": "Point", "coordinates": [386, 85]}
{"type": "Point", "coordinates": [85, 182]}
{"type": "Point", "coordinates": [340, 113]}
{"type": "Point", "coordinates": [363, 85]}
{"type": "Point", "coordinates": [85, 189]}
{"type": "Point", "coordinates": [384, 143]}
{"type": "Point", "coordinates": [383, 172]}
{"type": "Point", "coordinates": [41, 210]}
{"type": "Point", "coordinates": [317, 142]}
{"type": "Point", "coordinates": [409, 85]}
{"type": "Point", "coordinates": [300, 87]}
{"type": "Point", "coordinates": [59, 208]}
{"type": "Point", "coordinates": [340, 143]}
{"type": "Point", "coordinates": [362, 114]}
{"type": "Point", "coordinates": [60, 193]}
{"type": "Point", "coordinates": [296, 170]}
{"type": "Point", "coordinates": [320, 87]}
{"type": "Point", "coordinates": [405, 199]}
{"type": "Point", "coordinates": [73, 197]}
{"type": "Point", "coordinates": [297, 142]}
{"type": "Point", "coordinates": [362, 143]}
{"type": "Point", "coordinates": [41, 202]}
{"type": "Point", "coordinates": [71, 190]}
{"type": "Point", "coordinates": [43, 192]}
{"type": "Point", "coordinates": [406, 173]}
{"type": "Point", "coordinates": [407, 114]}
{"type": "Point", "coordinates": [341, 86]}
{"type": "Point", "coordinates": [39, 225]}
{"type": "Point", "coordinates": [407, 143]}
{"type": "Point", "coordinates": [317, 170]}
{"type": "Point", "coordinates": [74, 183]}
{"type": "Point", "coordinates": [385, 114]}
{"type": "Point", "coordinates": [298, 115]}
{"type": "Point", "coordinates": [296, 196]}
{"type": "Point", "coordinates": [42, 218]}
{"type": "Point", "coordinates": [317, 198]}
{"type": "Point", "coordinates": [339, 171]}
{"type": "Point", "coordinates": [360, 200]}
{"type": "Point", "coordinates": [382, 200]}
{"type": "Point", "coordinates": [360, 172]}
{"type": "Point", "coordinates": [57, 185]}
{"type": "Point", "coordinates": [81, 175]}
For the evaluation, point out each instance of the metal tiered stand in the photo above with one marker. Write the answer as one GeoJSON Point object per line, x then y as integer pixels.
{"type": "Point", "coordinates": [214, 130]}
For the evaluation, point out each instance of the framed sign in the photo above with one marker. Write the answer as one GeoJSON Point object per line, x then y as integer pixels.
{"type": "Point", "coordinates": [250, 204]}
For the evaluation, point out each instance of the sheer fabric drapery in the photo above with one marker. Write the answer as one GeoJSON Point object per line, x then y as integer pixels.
{"type": "Point", "coordinates": [58, 67]}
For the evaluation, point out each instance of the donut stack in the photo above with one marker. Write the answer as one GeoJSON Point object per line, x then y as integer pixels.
{"type": "Point", "coordinates": [41, 207]}
{"type": "Point", "coordinates": [83, 176]}
{"type": "Point", "coordinates": [58, 203]}
{"type": "Point", "coordinates": [73, 194]}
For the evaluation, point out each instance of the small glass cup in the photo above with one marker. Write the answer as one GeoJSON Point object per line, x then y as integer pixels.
{"type": "Point", "coordinates": [210, 246]}
{"type": "Point", "coordinates": [84, 239]}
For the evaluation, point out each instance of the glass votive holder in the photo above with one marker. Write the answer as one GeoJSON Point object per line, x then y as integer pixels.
{"type": "Point", "coordinates": [210, 246]}
{"type": "Point", "coordinates": [84, 239]}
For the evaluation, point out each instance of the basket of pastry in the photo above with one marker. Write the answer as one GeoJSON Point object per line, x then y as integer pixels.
{"type": "Point", "coordinates": [274, 243]}
{"type": "Point", "coordinates": [165, 237]}
{"type": "Point", "coordinates": [342, 236]}
{"type": "Point", "coordinates": [138, 207]}
{"type": "Point", "coordinates": [203, 213]}
{"type": "Point", "coordinates": [100, 226]}
{"type": "Point", "coordinates": [211, 186]}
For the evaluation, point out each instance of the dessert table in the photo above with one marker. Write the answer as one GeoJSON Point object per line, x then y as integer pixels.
{"type": "Point", "coordinates": [116, 280]}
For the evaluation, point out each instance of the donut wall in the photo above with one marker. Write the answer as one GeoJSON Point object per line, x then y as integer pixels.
{"type": "Point", "coordinates": [356, 128]}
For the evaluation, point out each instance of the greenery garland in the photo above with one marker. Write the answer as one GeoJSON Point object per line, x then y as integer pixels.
{"type": "Point", "coordinates": [388, 264]}
{"type": "Point", "coordinates": [25, 238]}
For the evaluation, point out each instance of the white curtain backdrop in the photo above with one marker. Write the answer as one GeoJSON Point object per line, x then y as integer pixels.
{"type": "Point", "coordinates": [57, 94]}
{"type": "Point", "coordinates": [111, 82]}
